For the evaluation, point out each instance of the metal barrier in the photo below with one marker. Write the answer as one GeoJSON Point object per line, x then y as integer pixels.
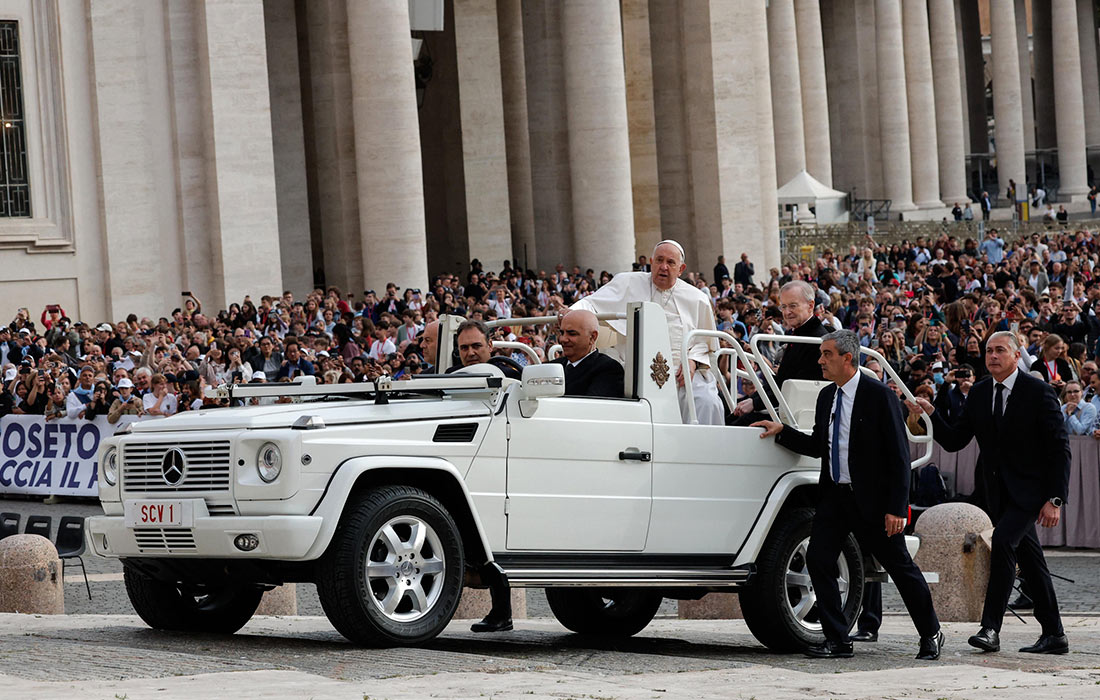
{"type": "Point", "coordinates": [713, 354]}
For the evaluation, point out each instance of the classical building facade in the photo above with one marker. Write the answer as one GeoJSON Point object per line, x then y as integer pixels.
{"type": "Point", "coordinates": [232, 147]}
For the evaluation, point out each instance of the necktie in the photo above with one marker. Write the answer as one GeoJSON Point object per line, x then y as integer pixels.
{"type": "Point", "coordinates": [998, 403]}
{"type": "Point", "coordinates": [834, 457]}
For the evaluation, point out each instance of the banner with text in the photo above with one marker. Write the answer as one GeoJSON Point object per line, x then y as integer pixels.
{"type": "Point", "coordinates": [56, 457]}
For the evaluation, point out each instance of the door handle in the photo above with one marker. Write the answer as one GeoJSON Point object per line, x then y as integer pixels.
{"type": "Point", "coordinates": [635, 456]}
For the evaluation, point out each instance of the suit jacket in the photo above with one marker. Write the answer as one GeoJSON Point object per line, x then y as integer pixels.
{"type": "Point", "coordinates": [799, 359]}
{"type": "Point", "coordinates": [595, 375]}
{"type": "Point", "coordinates": [743, 273]}
{"type": "Point", "coordinates": [878, 453]}
{"type": "Point", "coordinates": [1028, 453]}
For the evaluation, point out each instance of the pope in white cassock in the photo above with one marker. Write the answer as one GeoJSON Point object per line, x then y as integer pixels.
{"type": "Point", "coordinates": [686, 308]}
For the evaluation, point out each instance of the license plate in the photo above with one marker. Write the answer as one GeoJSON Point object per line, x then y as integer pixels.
{"type": "Point", "coordinates": [179, 513]}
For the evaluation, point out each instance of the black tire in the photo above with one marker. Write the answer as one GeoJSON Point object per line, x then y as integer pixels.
{"type": "Point", "coordinates": [771, 604]}
{"type": "Point", "coordinates": [608, 612]}
{"type": "Point", "coordinates": [354, 601]}
{"type": "Point", "coordinates": [165, 606]}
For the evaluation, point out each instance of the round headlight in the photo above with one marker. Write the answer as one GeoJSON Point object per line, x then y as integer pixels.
{"type": "Point", "coordinates": [110, 466]}
{"type": "Point", "coordinates": [269, 462]}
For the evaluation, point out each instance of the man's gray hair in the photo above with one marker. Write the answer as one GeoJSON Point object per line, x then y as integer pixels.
{"type": "Point", "coordinates": [1013, 340]}
{"type": "Point", "coordinates": [804, 288]}
{"type": "Point", "coordinates": [847, 342]}
{"type": "Point", "coordinates": [143, 370]}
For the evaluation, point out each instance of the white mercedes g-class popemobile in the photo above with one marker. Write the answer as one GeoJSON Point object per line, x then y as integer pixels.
{"type": "Point", "coordinates": [391, 495]}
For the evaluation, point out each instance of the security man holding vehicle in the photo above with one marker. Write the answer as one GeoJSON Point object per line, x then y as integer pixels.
{"type": "Point", "coordinates": [864, 490]}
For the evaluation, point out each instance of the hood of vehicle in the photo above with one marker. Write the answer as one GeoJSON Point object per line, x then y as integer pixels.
{"type": "Point", "coordinates": [332, 413]}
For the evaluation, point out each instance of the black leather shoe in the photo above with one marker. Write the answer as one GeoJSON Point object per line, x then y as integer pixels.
{"type": "Point", "coordinates": [831, 650]}
{"type": "Point", "coordinates": [1049, 644]}
{"type": "Point", "coordinates": [492, 624]}
{"type": "Point", "coordinates": [986, 639]}
{"type": "Point", "coordinates": [930, 647]}
{"type": "Point", "coordinates": [864, 636]}
{"type": "Point", "coordinates": [1022, 602]}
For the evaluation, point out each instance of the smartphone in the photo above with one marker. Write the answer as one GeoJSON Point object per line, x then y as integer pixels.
{"type": "Point", "coordinates": [52, 308]}
{"type": "Point", "coordinates": [186, 294]}
{"type": "Point", "coordinates": [1015, 326]}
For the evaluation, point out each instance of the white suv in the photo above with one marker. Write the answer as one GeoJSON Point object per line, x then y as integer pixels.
{"type": "Point", "coordinates": [390, 495]}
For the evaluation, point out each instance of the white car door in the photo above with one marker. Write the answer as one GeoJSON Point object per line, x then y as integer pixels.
{"type": "Point", "coordinates": [580, 474]}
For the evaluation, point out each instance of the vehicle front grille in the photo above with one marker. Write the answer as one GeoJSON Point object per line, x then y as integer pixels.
{"type": "Point", "coordinates": [217, 509]}
{"type": "Point", "coordinates": [157, 539]}
{"type": "Point", "coordinates": [207, 469]}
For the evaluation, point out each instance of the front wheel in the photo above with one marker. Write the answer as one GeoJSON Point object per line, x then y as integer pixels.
{"type": "Point", "coordinates": [612, 612]}
{"type": "Point", "coordinates": [780, 608]}
{"type": "Point", "coordinates": [393, 572]}
{"type": "Point", "coordinates": [167, 606]}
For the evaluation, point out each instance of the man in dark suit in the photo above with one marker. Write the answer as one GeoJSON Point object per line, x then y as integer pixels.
{"type": "Point", "coordinates": [588, 372]}
{"type": "Point", "coordinates": [797, 300]}
{"type": "Point", "coordinates": [720, 270]}
{"type": "Point", "coordinates": [864, 490]}
{"type": "Point", "coordinates": [1025, 482]}
{"type": "Point", "coordinates": [743, 272]}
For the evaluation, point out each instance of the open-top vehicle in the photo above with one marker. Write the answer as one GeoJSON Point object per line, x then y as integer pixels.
{"type": "Point", "coordinates": [389, 495]}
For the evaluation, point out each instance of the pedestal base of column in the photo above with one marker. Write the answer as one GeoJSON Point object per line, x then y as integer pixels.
{"type": "Point", "coordinates": [1073, 195]}
{"type": "Point", "coordinates": [930, 204]}
{"type": "Point", "coordinates": [960, 199]}
{"type": "Point", "coordinates": [902, 206]}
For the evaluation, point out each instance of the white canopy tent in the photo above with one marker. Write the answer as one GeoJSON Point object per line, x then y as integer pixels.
{"type": "Point", "coordinates": [806, 192]}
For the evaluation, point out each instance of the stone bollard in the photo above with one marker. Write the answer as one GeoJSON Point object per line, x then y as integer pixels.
{"type": "Point", "coordinates": [281, 600]}
{"type": "Point", "coordinates": [712, 606]}
{"type": "Point", "coordinates": [476, 603]}
{"type": "Point", "coordinates": [952, 546]}
{"type": "Point", "coordinates": [30, 576]}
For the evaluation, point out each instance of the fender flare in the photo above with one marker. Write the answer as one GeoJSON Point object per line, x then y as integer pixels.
{"type": "Point", "coordinates": [773, 505]}
{"type": "Point", "coordinates": [332, 503]}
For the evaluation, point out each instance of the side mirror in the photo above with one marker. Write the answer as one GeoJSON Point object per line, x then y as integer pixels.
{"type": "Point", "coordinates": [540, 382]}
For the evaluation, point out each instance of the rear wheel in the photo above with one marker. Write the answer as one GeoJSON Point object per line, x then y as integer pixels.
{"type": "Point", "coordinates": [212, 609]}
{"type": "Point", "coordinates": [393, 572]}
{"type": "Point", "coordinates": [613, 612]}
{"type": "Point", "coordinates": [780, 608]}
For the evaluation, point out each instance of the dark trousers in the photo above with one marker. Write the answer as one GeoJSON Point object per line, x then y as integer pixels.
{"type": "Point", "coordinates": [499, 590]}
{"type": "Point", "coordinates": [870, 618]}
{"type": "Point", "coordinates": [837, 515]}
{"type": "Point", "coordinates": [1015, 542]}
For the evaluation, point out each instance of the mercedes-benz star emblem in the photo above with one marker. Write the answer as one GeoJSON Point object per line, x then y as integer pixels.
{"type": "Point", "coordinates": [173, 466]}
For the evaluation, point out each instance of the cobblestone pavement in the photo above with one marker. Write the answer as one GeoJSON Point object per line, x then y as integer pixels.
{"type": "Point", "coordinates": [112, 656]}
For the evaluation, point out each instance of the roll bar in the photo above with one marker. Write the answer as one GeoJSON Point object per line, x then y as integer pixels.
{"type": "Point", "coordinates": [738, 351]}
{"type": "Point", "coordinates": [769, 377]}
{"type": "Point", "coordinates": [522, 347]}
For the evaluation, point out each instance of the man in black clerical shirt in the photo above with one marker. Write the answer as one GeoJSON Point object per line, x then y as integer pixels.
{"type": "Point", "coordinates": [588, 372]}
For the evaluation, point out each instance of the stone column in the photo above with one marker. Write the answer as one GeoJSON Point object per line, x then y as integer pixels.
{"type": "Point", "coordinates": [765, 138]}
{"type": "Point", "coordinates": [949, 107]}
{"type": "Point", "coordinates": [1007, 103]}
{"type": "Point", "coordinates": [481, 113]}
{"type": "Point", "coordinates": [1041, 32]}
{"type": "Point", "coordinates": [1090, 80]}
{"type": "Point", "coordinates": [970, 28]}
{"type": "Point", "coordinates": [790, 138]}
{"type": "Point", "coordinates": [638, 58]}
{"type": "Point", "coordinates": [1070, 115]}
{"type": "Point", "coordinates": [387, 144]}
{"type": "Point", "coordinates": [867, 49]}
{"type": "Point", "coordinates": [815, 99]}
{"type": "Point", "coordinates": [839, 29]}
{"type": "Point", "coordinates": [330, 146]}
{"type": "Point", "coordinates": [599, 145]}
{"type": "Point", "coordinates": [516, 138]}
{"type": "Point", "coordinates": [669, 106]}
{"type": "Point", "coordinates": [550, 184]}
{"type": "Point", "coordinates": [243, 217]}
{"type": "Point", "coordinates": [924, 153]}
{"type": "Point", "coordinates": [1025, 77]}
{"type": "Point", "coordinates": [893, 106]}
{"type": "Point", "coordinates": [287, 131]}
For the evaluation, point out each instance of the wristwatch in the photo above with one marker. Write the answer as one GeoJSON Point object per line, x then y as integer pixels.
{"type": "Point", "coordinates": [1056, 502]}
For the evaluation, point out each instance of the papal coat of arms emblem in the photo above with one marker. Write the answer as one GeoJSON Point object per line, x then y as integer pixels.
{"type": "Point", "coordinates": [660, 370]}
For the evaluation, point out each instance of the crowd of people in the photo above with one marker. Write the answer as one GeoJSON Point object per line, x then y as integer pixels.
{"type": "Point", "coordinates": [926, 305]}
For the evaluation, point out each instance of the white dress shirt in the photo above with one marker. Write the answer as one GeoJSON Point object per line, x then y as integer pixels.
{"type": "Point", "coordinates": [1009, 382]}
{"type": "Point", "coordinates": [849, 389]}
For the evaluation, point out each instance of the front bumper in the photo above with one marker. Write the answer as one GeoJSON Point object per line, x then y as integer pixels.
{"type": "Point", "coordinates": [282, 537]}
